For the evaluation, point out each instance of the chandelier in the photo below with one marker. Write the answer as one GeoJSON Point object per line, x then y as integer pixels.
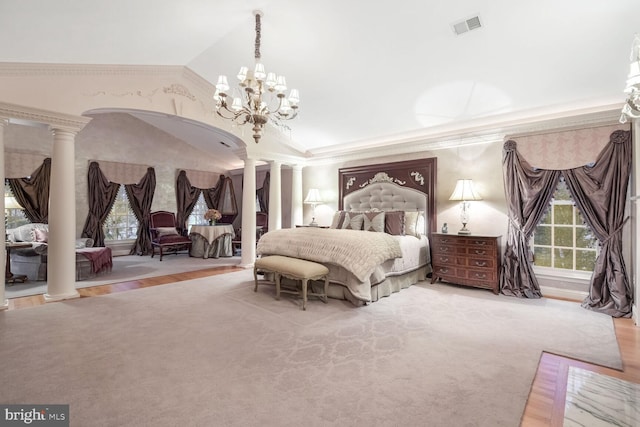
{"type": "Point", "coordinates": [631, 107]}
{"type": "Point", "coordinates": [261, 95]}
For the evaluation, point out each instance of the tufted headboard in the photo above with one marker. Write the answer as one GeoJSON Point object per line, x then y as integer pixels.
{"type": "Point", "coordinates": [409, 185]}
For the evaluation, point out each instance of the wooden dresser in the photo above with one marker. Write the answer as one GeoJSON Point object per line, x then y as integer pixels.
{"type": "Point", "coordinates": [468, 260]}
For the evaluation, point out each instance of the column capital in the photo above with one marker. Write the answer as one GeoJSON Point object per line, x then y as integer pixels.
{"type": "Point", "coordinates": [51, 118]}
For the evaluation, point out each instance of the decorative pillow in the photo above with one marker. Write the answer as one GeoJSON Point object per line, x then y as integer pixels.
{"type": "Point", "coordinates": [41, 236]}
{"type": "Point", "coordinates": [338, 219]}
{"type": "Point", "coordinates": [374, 221]}
{"type": "Point", "coordinates": [167, 231]}
{"type": "Point", "coordinates": [411, 223]}
{"type": "Point", "coordinates": [353, 221]}
{"type": "Point", "coordinates": [394, 223]}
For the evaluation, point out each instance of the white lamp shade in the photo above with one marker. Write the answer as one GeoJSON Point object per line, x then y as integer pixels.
{"type": "Point", "coordinates": [465, 191]}
{"type": "Point", "coordinates": [223, 84]}
{"type": "Point", "coordinates": [313, 197]}
{"type": "Point", "coordinates": [294, 96]}
{"type": "Point", "coordinates": [242, 74]}
{"type": "Point", "coordinates": [259, 72]}
{"type": "Point", "coordinates": [281, 84]}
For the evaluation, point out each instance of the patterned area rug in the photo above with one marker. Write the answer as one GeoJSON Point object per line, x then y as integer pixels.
{"type": "Point", "coordinates": [212, 351]}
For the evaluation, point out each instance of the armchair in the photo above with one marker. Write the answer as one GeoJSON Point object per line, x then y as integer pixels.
{"type": "Point", "coordinates": [165, 234]}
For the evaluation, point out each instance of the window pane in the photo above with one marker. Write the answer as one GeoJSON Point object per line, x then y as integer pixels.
{"type": "Point", "coordinates": [563, 258]}
{"type": "Point", "coordinates": [585, 260]}
{"type": "Point", "coordinates": [563, 236]}
{"type": "Point", "coordinates": [542, 236]}
{"type": "Point", "coordinates": [14, 215]}
{"type": "Point", "coordinates": [563, 214]}
{"type": "Point", "coordinates": [585, 238]}
{"type": "Point", "coordinates": [542, 256]}
{"type": "Point", "coordinates": [121, 224]}
{"type": "Point", "coordinates": [197, 215]}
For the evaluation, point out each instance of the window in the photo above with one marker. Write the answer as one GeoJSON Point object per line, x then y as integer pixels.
{"type": "Point", "coordinates": [121, 224]}
{"type": "Point", "coordinates": [562, 240]}
{"type": "Point", "coordinates": [197, 215]}
{"type": "Point", "coordinates": [14, 214]}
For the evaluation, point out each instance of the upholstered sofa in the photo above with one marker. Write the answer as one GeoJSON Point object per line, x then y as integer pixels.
{"type": "Point", "coordinates": [32, 261]}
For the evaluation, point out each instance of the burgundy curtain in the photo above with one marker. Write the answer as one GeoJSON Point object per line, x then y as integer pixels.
{"type": "Point", "coordinates": [600, 193]}
{"type": "Point", "coordinates": [528, 192]}
{"type": "Point", "coordinates": [186, 199]}
{"type": "Point", "coordinates": [141, 196]}
{"type": "Point", "coordinates": [263, 194]}
{"type": "Point", "coordinates": [212, 195]}
{"type": "Point", "coordinates": [102, 195]}
{"type": "Point", "coordinates": [32, 193]}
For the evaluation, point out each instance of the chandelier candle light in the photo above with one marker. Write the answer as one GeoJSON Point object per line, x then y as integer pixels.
{"type": "Point", "coordinates": [256, 84]}
{"type": "Point", "coordinates": [631, 107]}
{"type": "Point", "coordinates": [464, 192]}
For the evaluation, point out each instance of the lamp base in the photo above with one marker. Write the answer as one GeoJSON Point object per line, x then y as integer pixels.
{"type": "Point", "coordinates": [464, 230]}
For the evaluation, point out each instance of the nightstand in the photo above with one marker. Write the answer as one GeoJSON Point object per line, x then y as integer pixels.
{"type": "Point", "coordinates": [468, 260]}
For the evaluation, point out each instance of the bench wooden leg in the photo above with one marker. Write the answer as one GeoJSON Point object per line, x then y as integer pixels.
{"type": "Point", "coordinates": [326, 290]}
{"type": "Point", "coordinates": [304, 293]}
{"type": "Point", "coordinates": [277, 285]}
{"type": "Point", "coordinates": [255, 279]}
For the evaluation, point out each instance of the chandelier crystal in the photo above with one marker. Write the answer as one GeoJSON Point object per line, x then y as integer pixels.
{"type": "Point", "coordinates": [261, 95]}
{"type": "Point", "coordinates": [631, 107]}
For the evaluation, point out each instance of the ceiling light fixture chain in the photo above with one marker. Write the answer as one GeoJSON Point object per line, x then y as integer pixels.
{"type": "Point", "coordinates": [254, 107]}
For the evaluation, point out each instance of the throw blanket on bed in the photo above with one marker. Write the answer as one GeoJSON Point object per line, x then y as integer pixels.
{"type": "Point", "coordinates": [100, 258]}
{"type": "Point", "coordinates": [357, 251]}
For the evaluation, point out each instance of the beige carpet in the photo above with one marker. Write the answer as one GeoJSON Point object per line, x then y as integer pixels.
{"type": "Point", "coordinates": [129, 267]}
{"type": "Point", "coordinates": [211, 352]}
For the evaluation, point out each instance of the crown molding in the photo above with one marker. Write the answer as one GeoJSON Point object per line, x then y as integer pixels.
{"type": "Point", "coordinates": [55, 120]}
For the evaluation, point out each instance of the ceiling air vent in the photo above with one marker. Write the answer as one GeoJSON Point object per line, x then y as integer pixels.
{"type": "Point", "coordinates": [467, 25]}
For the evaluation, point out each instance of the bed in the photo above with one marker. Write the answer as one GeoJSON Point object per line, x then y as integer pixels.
{"type": "Point", "coordinates": [378, 242]}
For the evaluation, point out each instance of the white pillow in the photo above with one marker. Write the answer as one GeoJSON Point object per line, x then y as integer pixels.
{"type": "Point", "coordinates": [411, 223]}
{"type": "Point", "coordinates": [167, 231]}
{"type": "Point", "coordinates": [374, 221]}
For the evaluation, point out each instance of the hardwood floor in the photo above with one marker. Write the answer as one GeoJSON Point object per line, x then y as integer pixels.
{"type": "Point", "coordinates": [35, 300]}
{"type": "Point", "coordinates": [545, 406]}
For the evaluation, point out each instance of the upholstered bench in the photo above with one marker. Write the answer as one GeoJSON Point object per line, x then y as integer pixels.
{"type": "Point", "coordinates": [295, 269]}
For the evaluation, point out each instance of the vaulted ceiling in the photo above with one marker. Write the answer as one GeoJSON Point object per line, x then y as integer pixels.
{"type": "Point", "coordinates": [367, 71]}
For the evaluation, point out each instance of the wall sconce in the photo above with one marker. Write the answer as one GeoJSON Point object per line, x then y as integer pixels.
{"type": "Point", "coordinates": [10, 202]}
{"type": "Point", "coordinates": [313, 199]}
{"type": "Point", "coordinates": [464, 192]}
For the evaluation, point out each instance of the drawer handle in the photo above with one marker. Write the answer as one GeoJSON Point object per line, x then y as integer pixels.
{"type": "Point", "coordinates": [444, 249]}
{"type": "Point", "coordinates": [480, 242]}
{"type": "Point", "coordinates": [480, 252]}
{"type": "Point", "coordinates": [481, 264]}
{"type": "Point", "coordinates": [444, 259]}
{"type": "Point", "coordinates": [444, 240]}
{"type": "Point", "coordinates": [481, 276]}
{"type": "Point", "coordinates": [443, 270]}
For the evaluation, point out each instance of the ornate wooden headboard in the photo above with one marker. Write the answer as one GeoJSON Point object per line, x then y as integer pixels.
{"type": "Point", "coordinates": [420, 175]}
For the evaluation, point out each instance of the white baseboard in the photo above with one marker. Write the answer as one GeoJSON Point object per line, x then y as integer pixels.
{"type": "Point", "coordinates": [569, 294]}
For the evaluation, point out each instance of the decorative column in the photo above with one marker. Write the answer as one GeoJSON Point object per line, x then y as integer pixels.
{"type": "Point", "coordinates": [275, 196]}
{"type": "Point", "coordinates": [4, 303]}
{"type": "Point", "coordinates": [61, 265]}
{"type": "Point", "coordinates": [296, 195]}
{"type": "Point", "coordinates": [249, 214]}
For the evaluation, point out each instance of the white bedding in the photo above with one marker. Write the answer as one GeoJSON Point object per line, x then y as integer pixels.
{"type": "Point", "coordinates": [358, 260]}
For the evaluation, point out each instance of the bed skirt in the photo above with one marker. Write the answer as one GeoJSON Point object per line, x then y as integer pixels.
{"type": "Point", "coordinates": [385, 288]}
